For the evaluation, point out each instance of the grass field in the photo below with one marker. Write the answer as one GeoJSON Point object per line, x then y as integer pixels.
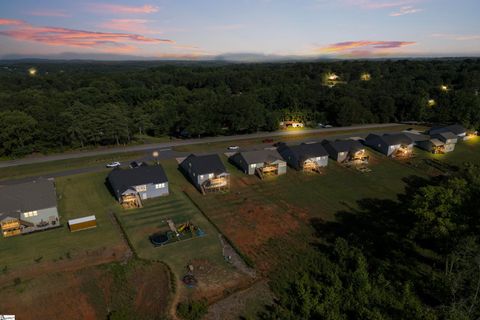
{"type": "Point", "coordinates": [78, 195]}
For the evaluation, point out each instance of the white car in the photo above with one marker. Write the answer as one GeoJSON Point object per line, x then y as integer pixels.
{"type": "Point", "coordinates": [233, 148]}
{"type": "Point", "coordinates": [113, 164]}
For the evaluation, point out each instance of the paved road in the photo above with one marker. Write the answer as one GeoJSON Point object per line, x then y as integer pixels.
{"type": "Point", "coordinates": [168, 153]}
{"type": "Point", "coordinates": [176, 143]}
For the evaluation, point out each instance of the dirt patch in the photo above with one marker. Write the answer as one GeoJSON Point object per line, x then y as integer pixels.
{"type": "Point", "coordinates": [76, 262]}
{"type": "Point", "coordinates": [215, 281]}
{"type": "Point", "coordinates": [88, 293]}
{"type": "Point", "coordinates": [254, 226]}
{"type": "Point", "coordinates": [242, 304]}
{"type": "Point", "coordinates": [152, 287]}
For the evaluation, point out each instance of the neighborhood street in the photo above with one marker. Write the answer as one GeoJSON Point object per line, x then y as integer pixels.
{"type": "Point", "coordinates": [148, 148]}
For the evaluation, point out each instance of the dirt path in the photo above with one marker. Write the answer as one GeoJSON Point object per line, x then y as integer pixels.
{"type": "Point", "coordinates": [234, 258]}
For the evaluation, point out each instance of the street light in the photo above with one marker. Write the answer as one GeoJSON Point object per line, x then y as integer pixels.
{"type": "Point", "coordinates": [155, 155]}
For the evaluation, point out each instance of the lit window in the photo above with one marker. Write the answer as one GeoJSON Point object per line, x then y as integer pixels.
{"type": "Point", "coordinates": [210, 176]}
{"type": "Point", "coordinates": [30, 214]}
{"type": "Point", "coordinates": [141, 188]}
{"type": "Point", "coordinates": [160, 185]}
{"type": "Point", "coordinates": [252, 165]}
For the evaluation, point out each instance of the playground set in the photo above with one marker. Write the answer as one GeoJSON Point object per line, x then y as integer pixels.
{"type": "Point", "coordinates": [176, 233]}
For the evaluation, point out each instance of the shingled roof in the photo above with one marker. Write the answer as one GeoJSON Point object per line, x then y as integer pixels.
{"type": "Point", "coordinates": [396, 138]}
{"type": "Point", "coordinates": [454, 128]}
{"type": "Point", "coordinates": [306, 151]}
{"type": "Point", "coordinates": [261, 156]}
{"type": "Point", "coordinates": [24, 197]}
{"type": "Point", "coordinates": [343, 145]}
{"type": "Point", "coordinates": [123, 179]}
{"type": "Point", "coordinates": [204, 164]}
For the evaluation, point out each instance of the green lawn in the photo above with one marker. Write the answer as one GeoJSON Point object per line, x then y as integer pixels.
{"type": "Point", "coordinates": [140, 223]}
{"type": "Point", "coordinates": [78, 195]}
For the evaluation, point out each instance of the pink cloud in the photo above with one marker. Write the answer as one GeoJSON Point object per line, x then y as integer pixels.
{"type": "Point", "coordinates": [49, 13]}
{"type": "Point", "coordinates": [128, 25]}
{"type": "Point", "coordinates": [55, 36]}
{"type": "Point", "coordinates": [10, 22]}
{"type": "Point", "coordinates": [117, 8]}
{"type": "Point", "coordinates": [405, 10]}
{"type": "Point", "coordinates": [363, 46]}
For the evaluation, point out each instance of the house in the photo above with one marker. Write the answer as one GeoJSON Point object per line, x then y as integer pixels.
{"type": "Point", "coordinates": [83, 223]}
{"type": "Point", "coordinates": [131, 186]}
{"type": "Point", "coordinates": [206, 172]}
{"type": "Point", "coordinates": [392, 145]}
{"type": "Point", "coordinates": [346, 151]}
{"type": "Point", "coordinates": [432, 145]}
{"type": "Point", "coordinates": [306, 156]}
{"type": "Point", "coordinates": [291, 124]}
{"type": "Point", "coordinates": [28, 207]}
{"type": "Point", "coordinates": [448, 138]}
{"type": "Point", "coordinates": [456, 129]}
{"type": "Point", "coordinates": [261, 162]}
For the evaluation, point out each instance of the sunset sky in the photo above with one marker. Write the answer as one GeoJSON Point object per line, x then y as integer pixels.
{"type": "Point", "coordinates": [195, 29]}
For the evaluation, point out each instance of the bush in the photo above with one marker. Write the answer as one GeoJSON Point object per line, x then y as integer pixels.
{"type": "Point", "coordinates": [192, 310]}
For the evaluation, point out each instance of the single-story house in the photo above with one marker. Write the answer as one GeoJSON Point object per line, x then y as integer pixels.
{"type": "Point", "coordinates": [305, 156]}
{"type": "Point", "coordinates": [391, 145]}
{"type": "Point", "coordinates": [131, 186]}
{"type": "Point", "coordinates": [346, 151]}
{"type": "Point", "coordinates": [28, 207]}
{"type": "Point", "coordinates": [206, 172]}
{"type": "Point", "coordinates": [261, 162]}
{"type": "Point", "coordinates": [432, 145]}
{"type": "Point", "coordinates": [456, 129]}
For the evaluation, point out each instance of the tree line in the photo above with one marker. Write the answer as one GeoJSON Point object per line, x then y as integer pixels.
{"type": "Point", "coordinates": [77, 105]}
{"type": "Point", "coordinates": [417, 257]}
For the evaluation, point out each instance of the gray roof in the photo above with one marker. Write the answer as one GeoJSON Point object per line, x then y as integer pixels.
{"type": "Point", "coordinates": [417, 137]}
{"type": "Point", "coordinates": [261, 156]}
{"type": "Point", "coordinates": [392, 139]}
{"type": "Point", "coordinates": [123, 179]}
{"type": "Point", "coordinates": [203, 164]}
{"type": "Point", "coordinates": [24, 197]}
{"type": "Point", "coordinates": [343, 145]}
{"type": "Point", "coordinates": [306, 151]}
{"type": "Point", "coordinates": [454, 128]}
{"type": "Point", "coordinates": [446, 135]}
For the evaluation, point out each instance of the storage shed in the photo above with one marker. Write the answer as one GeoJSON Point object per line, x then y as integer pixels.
{"type": "Point", "coordinates": [83, 223]}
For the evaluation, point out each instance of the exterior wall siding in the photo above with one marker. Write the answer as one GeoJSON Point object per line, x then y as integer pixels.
{"type": "Point", "coordinates": [152, 192]}
{"type": "Point", "coordinates": [323, 162]}
{"type": "Point", "coordinates": [47, 215]}
{"type": "Point", "coordinates": [282, 168]}
{"type": "Point", "coordinates": [449, 147]}
{"type": "Point", "coordinates": [342, 156]}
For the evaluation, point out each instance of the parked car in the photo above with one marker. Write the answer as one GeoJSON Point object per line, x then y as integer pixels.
{"type": "Point", "coordinates": [113, 164]}
{"type": "Point", "coordinates": [233, 148]}
{"type": "Point", "coordinates": [135, 164]}
{"type": "Point", "coordinates": [267, 140]}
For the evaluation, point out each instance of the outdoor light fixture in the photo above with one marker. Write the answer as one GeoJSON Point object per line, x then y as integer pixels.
{"type": "Point", "coordinates": [431, 102]}
{"type": "Point", "coordinates": [32, 71]}
{"type": "Point", "coordinates": [365, 76]}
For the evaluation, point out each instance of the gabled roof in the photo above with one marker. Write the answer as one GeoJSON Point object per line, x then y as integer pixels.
{"type": "Point", "coordinates": [437, 142]}
{"type": "Point", "coordinates": [123, 179]}
{"type": "Point", "coordinates": [454, 128]}
{"type": "Point", "coordinates": [417, 137]}
{"type": "Point", "coordinates": [210, 163]}
{"type": "Point", "coordinates": [24, 197]}
{"type": "Point", "coordinates": [343, 145]}
{"type": "Point", "coordinates": [261, 156]}
{"type": "Point", "coordinates": [306, 151]}
{"type": "Point", "coordinates": [397, 138]}
{"type": "Point", "coordinates": [446, 135]}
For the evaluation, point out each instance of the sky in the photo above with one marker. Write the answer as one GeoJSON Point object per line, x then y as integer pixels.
{"type": "Point", "coordinates": [194, 29]}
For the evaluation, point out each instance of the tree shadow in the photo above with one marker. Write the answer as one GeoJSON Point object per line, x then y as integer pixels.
{"type": "Point", "coordinates": [381, 229]}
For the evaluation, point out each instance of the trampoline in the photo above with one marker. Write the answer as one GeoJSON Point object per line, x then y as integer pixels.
{"type": "Point", "coordinates": [159, 239]}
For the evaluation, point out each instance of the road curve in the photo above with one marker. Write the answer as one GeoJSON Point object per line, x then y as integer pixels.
{"type": "Point", "coordinates": [176, 143]}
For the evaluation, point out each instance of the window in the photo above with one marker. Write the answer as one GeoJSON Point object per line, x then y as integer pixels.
{"type": "Point", "coordinates": [160, 185]}
{"type": "Point", "coordinates": [210, 176]}
{"type": "Point", "coordinates": [142, 188]}
{"type": "Point", "coordinates": [30, 214]}
{"type": "Point", "coordinates": [201, 177]}
{"type": "Point", "coordinates": [252, 165]}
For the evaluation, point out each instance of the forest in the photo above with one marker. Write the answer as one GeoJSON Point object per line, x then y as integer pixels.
{"type": "Point", "coordinates": [56, 106]}
{"type": "Point", "coordinates": [414, 258]}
